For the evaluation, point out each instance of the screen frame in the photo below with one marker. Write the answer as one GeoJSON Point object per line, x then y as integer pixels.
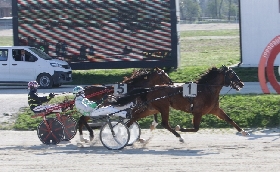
{"type": "Point", "coordinates": [173, 62]}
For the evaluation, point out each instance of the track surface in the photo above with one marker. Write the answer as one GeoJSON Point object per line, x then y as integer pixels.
{"type": "Point", "coordinates": [208, 150]}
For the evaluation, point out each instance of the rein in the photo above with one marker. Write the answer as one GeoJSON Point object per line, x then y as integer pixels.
{"type": "Point", "coordinates": [224, 94]}
{"type": "Point", "coordinates": [99, 93]}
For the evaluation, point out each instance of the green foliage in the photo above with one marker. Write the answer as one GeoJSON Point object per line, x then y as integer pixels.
{"type": "Point", "coordinates": [190, 9]}
{"type": "Point", "coordinates": [220, 8]}
{"type": "Point", "coordinates": [26, 122]}
{"type": "Point", "coordinates": [250, 74]}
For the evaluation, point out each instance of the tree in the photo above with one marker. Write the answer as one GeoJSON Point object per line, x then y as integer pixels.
{"type": "Point", "coordinates": [233, 9]}
{"type": "Point", "coordinates": [220, 7]}
{"type": "Point", "coordinates": [212, 9]}
{"type": "Point", "coordinates": [190, 10]}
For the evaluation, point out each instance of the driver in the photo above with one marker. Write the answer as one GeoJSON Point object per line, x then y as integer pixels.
{"type": "Point", "coordinates": [34, 101]}
{"type": "Point", "coordinates": [90, 108]}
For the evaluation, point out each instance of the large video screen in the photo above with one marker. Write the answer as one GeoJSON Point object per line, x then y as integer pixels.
{"type": "Point", "coordinates": [92, 34]}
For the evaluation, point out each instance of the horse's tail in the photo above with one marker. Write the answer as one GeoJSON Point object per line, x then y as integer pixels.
{"type": "Point", "coordinates": [132, 95]}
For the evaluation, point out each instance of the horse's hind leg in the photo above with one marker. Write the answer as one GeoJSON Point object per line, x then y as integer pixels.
{"type": "Point", "coordinates": [165, 124]}
{"type": "Point", "coordinates": [80, 127]}
{"type": "Point", "coordinates": [91, 136]}
{"type": "Point", "coordinates": [83, 121]}
{"type": "Point", "coordinates": [154, 123]}
{"type": "Point", "coordinates": [222, 115]}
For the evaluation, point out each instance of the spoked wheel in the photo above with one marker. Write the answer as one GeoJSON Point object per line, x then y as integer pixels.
{"type": "Point", "coordinates": [134, 131]}
{"type": "Point", "coordinates": [117, 140]}
{"type": "Point", "coordinates": [50, 131]}
{"type": "Point", "coordinates": [69, 124]}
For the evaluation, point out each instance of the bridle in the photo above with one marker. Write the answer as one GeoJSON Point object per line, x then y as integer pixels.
{"type": "Point", "coordinates": [161, 73]}
{"type": "Point", "coordinates": [230, 77]}
{"type": "Point", "coordinates": [227, 80]}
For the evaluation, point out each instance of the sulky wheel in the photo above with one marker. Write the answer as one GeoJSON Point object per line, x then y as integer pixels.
{"type": "Point", "coordinates": [115, 141]}
{"type": "Point", "coordinates": [134, 131]}
{"type": "Point", "coordinates": [50, 131]}
{"type": "Point", "coordinates": [69, 124]}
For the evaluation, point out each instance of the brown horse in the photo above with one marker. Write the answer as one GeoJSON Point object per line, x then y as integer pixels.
{"type": "Point", "coordinates": [139, 79]}
{"type": "Point", "coordinates": [159, 99]}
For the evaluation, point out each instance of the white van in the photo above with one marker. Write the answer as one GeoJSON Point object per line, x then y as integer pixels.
{"type": "Point", "coordinates": [36, 65]}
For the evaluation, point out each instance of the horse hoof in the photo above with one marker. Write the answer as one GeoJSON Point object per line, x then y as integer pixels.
{"type": "Point", "coordinates": [177, 128]}
{"type": "Point", "coordinates": [152, 127]}
{"type": "Point", "coordinates": [84, 140]}
{"type": "Point", "coordinates": [181, 140]}
{"type": "Point", "coordinates": [142, 140]}
{"type": "Point", "coordinates": [244, 133]}
{"type": "Point", "coordinates": [91, 144]}
{"type": "Point", "coordinates": [90, 139]}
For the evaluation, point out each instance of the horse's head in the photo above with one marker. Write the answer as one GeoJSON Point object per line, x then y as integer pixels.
{"type": "Point", "coordinates": [159, 77]}
{"type": "Point", "coordinates": [148, 78]}
{"type": "Point", "coordinates": [231, 79]}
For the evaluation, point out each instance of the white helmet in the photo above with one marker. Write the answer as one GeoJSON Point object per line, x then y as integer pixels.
{"type": "Point", "coordinates": [32, 84]}
{"type": "Point", "coordinates": [78, 89]}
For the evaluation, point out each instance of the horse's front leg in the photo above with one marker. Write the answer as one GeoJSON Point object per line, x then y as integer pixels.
{"type": "Point", "coordinates": [154, 123]}
{"type": "Point", "coordinates": [222, 115]}
{"type": "Point", "coordinates": [91, 136]}
{"type": "Point", "coordinates": [165, 124]}
{"type": "Point", "coordinates": [129, 123]}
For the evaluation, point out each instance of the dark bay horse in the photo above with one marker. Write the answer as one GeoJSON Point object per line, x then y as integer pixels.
{"type": "Point", "coordinates": [159, 99]}
{"type": "Point", "coordinates": [139, 79]}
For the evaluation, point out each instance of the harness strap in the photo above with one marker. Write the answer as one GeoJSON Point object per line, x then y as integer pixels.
{"type": "Point", "coordinates": [191, 103]}
{"type": "Point", "coordinates": [147, 102]}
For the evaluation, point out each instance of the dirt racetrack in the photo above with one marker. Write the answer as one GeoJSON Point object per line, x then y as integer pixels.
{"type": "Point", "coordinates": [208, 150]}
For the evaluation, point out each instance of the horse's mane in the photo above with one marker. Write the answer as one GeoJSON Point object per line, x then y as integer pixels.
{"type": "Point", "coordinates": [138, 75]}
{"type": "Point", "coordinates": [208, 75]}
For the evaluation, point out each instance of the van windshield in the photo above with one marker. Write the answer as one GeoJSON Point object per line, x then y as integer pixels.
{"type": "Point", "coordinates": [41, 54]}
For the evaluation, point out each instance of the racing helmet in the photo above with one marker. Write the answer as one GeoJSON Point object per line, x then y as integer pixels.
{"type": "Point", "coordinates": [78, 89]}
{"type": "Point", "coordinates": [33, 84]}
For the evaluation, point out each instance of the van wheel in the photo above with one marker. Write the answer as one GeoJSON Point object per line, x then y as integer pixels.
{"type": "Point", "coordinates": [45, 81]}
